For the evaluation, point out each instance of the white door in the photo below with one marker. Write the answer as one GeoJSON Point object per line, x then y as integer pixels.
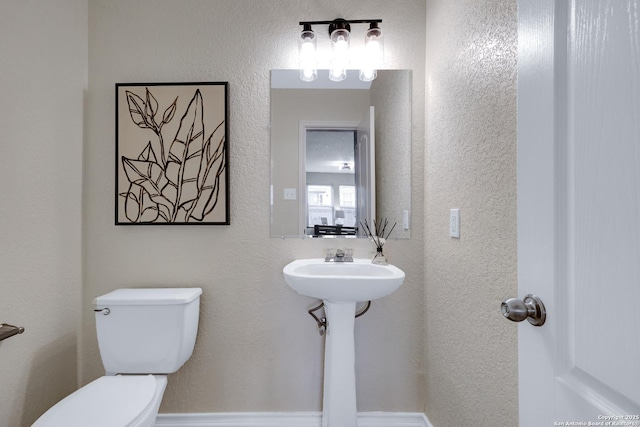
{"type": "Point", "coordinates": [365, 158]}
{"type": "Point", "coordinates": [579, 210]}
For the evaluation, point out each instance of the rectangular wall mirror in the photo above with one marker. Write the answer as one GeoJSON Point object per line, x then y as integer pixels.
{"type": "Point", "coordinates": [340, 154]}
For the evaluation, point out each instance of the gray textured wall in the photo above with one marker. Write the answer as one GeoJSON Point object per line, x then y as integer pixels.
{"type": "Point", "coordinates": [43, 76]}
{"type": "Point", "coordinates": [470, 350]}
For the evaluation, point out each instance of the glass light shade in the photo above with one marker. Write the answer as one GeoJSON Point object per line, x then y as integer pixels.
{"type": "Point", "coordinates": [307, 55]}
{"type": "Point", "coordinates": [368, 74]}
{"type": "Point", "coordinates": [374, 46]}
{"type": "Point", "coordinates": [340, 41]}
{"type": "Point", "coordinates": [340, 61]}
{"type": "Point", "coordinates": [308, 74]}
{"type": "Point", "coordinates": [337, 73]}
{"type": "Point", "coordinates": [373, 53]}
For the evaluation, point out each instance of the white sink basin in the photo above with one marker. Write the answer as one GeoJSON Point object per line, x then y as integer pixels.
{"type": "Point", "coordinates": [355, 281]}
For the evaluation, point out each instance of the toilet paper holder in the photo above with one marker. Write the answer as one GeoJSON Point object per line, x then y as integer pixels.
{"type": "Point", "coordinates": [7, 331]}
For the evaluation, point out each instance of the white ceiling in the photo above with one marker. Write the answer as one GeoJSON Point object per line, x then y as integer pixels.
{"type": "Point", "coordinates": [328, 150]}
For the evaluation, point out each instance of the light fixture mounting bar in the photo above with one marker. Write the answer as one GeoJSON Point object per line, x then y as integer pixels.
{"type": "Point", "coordinates": [340, 23]}
{"type": "Point", "coordinates": [349, 21]}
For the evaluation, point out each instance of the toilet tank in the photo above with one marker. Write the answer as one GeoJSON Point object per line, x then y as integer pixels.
{"type": "Point", "coordinates": [147, 331]}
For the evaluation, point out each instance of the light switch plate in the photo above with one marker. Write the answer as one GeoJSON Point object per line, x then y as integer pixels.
{"type": "Point", "coordinates": [454, 223]}
{"type": "Point", "coordinates": [290, 194]}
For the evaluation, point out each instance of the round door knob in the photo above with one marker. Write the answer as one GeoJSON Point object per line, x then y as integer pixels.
{"type": "Point", "coordinates": [531, 308]}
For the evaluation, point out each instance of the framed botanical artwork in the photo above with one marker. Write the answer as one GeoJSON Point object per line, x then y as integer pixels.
{"type": "Point", "coordinates": [172, 151]}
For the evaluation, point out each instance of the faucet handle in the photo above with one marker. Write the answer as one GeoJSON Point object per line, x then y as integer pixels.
{"type": "Point", "coordinates": [328, 254]}
{"type": "Point", "coordinates": [348, 254]}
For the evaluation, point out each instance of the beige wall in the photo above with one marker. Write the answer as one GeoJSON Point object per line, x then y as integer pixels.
{"type": "Point", "coordinates": [43, 46]}
{"type": "Point", "coordinates": [437, 345]}
{"type": "Point", "coordinates": [471, 351]}
{"type": "Point", "coordinates": [257, 348]}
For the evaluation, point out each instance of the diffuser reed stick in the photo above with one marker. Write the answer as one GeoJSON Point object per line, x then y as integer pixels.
{"type": "Point", "coordinates": [376, 233]}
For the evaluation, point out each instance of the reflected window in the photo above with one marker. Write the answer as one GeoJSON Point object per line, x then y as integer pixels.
{"type": "Point", "coordinates": [319, 205]}
{"type": "Point", "coordinates": [347, 203]}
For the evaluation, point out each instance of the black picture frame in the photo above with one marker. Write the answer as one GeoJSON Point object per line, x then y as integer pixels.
{"type": "Point", "coordinates": [172, 153]}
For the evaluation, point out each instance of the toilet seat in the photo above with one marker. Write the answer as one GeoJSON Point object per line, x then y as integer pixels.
{"type": "Point", "coordinates": [109, 401]}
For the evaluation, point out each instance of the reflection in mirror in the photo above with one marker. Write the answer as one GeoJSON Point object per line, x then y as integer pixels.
{"type": "Point", "coordinates": [340, 154]}
{"type": "Point", "coordinates": [330, 180]}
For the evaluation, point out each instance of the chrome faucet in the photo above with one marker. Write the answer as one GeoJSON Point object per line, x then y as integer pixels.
{"type": "Point", "coordinates": [339, 256]}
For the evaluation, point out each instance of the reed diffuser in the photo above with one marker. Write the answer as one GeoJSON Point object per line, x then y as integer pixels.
{"type": "Point", "coordinates": [377, 236]}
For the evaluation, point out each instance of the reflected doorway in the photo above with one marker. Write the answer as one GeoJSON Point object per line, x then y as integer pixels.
{"type": "Point", "coordinates": [337, 179]}
{"type": "Point", "coordinates": [330, 181]}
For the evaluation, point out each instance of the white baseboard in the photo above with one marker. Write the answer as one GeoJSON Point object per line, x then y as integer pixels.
{"type": "Point", "coordinates": [288, 419]}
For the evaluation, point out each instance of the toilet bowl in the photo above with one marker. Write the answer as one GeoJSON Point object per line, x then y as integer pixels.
{"type": "Point", "coordinates": [109, 401]}
{"type": "Point", "coordinates": [143, 334]}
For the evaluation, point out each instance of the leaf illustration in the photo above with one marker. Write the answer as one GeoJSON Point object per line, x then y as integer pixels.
{"type": "Point", "coordinates": [150, 209]}
{"type": "Point", "coordinates": [137, 201]}
{"type": "Point", "coordinates": [131, 203]}
{"type": "Point", "coordinates": [150, 176]}
{"type": "Point", "coordinates": [148, 154]}
{"type": "Point", "coordinates": [213, 166]}
{"type": "Point", "coordinates": [143, 114]}
{"type": "Point", "coordinates": [169, 112]}
{"type": "Point", "coordinates": [151, 107]}
{"type": "Point", "coordinates": [213, 190]}
{"type": "Point", "coordinates": [137, 110]}
{"type": "Point", "coordinates": [218, 132]}
{"type": "Point", "coordinates": [183, 164]}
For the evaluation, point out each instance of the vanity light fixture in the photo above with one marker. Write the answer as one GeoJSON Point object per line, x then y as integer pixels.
{"type": "Point", "coordinates": [340, 33]}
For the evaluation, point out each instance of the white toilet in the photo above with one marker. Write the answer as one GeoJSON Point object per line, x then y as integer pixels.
{"type": "Point", "coordinates": [143, 335]}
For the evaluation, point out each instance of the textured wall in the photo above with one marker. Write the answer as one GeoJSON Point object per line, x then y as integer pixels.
{"type": "Point", "coordinates": [257, 348]}
{"type": "Point", "coordinates": [43, 46]}
{"type": "Point", "coordinates": [470, 350]}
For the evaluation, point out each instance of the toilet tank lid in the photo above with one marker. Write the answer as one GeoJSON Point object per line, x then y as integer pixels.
{"type": "Point", "coordinates": [149, 296]}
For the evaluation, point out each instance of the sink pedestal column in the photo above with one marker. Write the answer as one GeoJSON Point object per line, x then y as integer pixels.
{"type": "Point", "coordinates": [339, 395]}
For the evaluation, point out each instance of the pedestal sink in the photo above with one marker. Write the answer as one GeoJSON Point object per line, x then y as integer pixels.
{"type": "Point", "coordinates": [340, 285]}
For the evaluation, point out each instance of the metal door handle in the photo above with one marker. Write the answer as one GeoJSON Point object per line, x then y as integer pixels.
{"type": "Point", "coordinates": [531, 308]}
